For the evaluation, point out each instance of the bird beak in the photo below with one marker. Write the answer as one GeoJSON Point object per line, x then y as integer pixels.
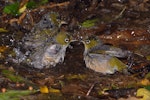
{"type": "Point", "coordinates": [74, 40]}
{"type": "Point", "coordinates": [62, 23]}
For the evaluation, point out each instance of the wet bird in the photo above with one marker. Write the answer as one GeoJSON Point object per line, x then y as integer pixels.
{"type": "Point", "coordinates": [52, 53]}
{"type": "Point", "coordinates": [102, 58]}
{"type": "Point", "coordinates": [46, 42]}
{"type": "Point", "coordinates": [44, 30]}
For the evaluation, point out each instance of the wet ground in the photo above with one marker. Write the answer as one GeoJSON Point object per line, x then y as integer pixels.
{"type": "Point", "coordinates": [122, 23]}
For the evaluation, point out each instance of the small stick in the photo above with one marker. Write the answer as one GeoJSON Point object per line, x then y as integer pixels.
{"type": "Point", "coordinates": [89, 91]}
{"type": "Point", "coordinates": [52, 6]}
{"type": "Point", "coordinates": [121, 13]}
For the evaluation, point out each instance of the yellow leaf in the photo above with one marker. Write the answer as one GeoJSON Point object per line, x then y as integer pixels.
{"type": "Point", "coordinates": [52, 90]}
{"type": "Point", "coordinates": [44, 89]}
{"type": "Point", "coordinates": [23, 8]}
{"type": "Point", "coordinates": [147, 75]}
{"type": "Point", "coordinates": [3, 30]}
{"type": "Point", "coordinates": [145, 82]}
{"type": "Point", "coordinates": [144, 93]}
{"type": "Point", "coordinates": [148, 57]}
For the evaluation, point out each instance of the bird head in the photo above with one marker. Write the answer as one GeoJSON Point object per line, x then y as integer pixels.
{"type": "Point", "coordinates": [90, 43]}
{"type": "Point", "coordinates": [64, 38]}
{"type": "Point", "coordinates": [49, 21]}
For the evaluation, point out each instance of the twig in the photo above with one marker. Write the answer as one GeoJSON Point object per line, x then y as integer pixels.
{"type": "Point", "coordinates": [52, 6]}
{"type": "Point", "coordinates": [21, 17]}
{"type": "Point", "coordinates": [59, 4]}
{"type": "Point", "coordinates": [120, 14]}
{"type": "Point", "coordinates": [89, 91]}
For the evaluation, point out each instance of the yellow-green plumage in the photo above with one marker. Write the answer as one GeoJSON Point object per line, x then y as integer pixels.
{"type": "Point", "coordinates": [115, 62]}
{"type": "Point", "coordinates": [90, 43]}
{"type": "Point", "coordinates": [52, 53]}
{"type": "Point", "coordinates": [97, 58]}
{"type": "Point", "coordinates": [62, 38]}
{"type": "Point", "coordinates": [53, 17]}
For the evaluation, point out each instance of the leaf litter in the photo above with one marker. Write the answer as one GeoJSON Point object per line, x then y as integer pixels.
{"type": "Point", "coordinates": [127, 27]}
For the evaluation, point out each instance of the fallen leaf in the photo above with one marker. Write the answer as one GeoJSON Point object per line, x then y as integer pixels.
{"type": "Point", "coordinates": [3, 49]}
{"type": "Point", "coordinates": [23, 8]}
{"type": "Point", "coordinates": [144, 93]}
{"type": "Point", "coordinates": [147, 87]}
{"type": "Point", "coordinates": [145, 82]}
{"type": "Point", "coordinates": [44, 89]}
{"type": "Point", "coordinates": [130, 98]}
{"type": "Point", "coordinates": [148, 57]}
{"type": "Point", "coordinates": [11, 75]}
{"type": "Point", "coordinates": [73, 88]}
{"type": "Point", "coordinates": [12, 9]}
{"type": "Point", "coordinates": [89, 23]}
{"type": "Point", "coordinates": [52, 90]}
{"type": "Point", "coordinates": [14, 94]}
{"type": "Point", "coordinates": [78, 76]}
{"type": "Point", "coordinates": [3, 30]}
{"type": "Point", "coordinates": [147, 75]}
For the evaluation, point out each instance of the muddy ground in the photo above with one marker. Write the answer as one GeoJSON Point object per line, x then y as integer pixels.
{"type": "Point", "coordinates": [123, 23]}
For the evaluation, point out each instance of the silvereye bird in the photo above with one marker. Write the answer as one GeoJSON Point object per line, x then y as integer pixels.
{"type": "Point", "coordinates": [52, 53]}
{"type": "Point", "coordinates": [101, 58]}
{"type": "Point", "coordinates": [46, 42]}
{"type": "Point", "coordinates": [44, 30]}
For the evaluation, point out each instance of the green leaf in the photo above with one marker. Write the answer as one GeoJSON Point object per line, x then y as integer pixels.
{"type": "Point", "coordinates": [3, 30]}
{"type": "Point", "coordinates": [147, 87]}
{"type": "Point", "coordinates": [14, 94]}
{"type": "Point", "coordinates": [12, 9]}
{"type": "Point", "coordinates": [11, 75]}
{"type": "Point", "coordinates": [31, 4]}
{"type": "Point", "coordinates": [89, 23]}
{"type": "Point", "coordinates": [43, 1]}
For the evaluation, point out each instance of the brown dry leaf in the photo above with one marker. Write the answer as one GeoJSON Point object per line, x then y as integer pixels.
{"type": "Point", "coordinates": [93, 30]}
{"type": "Point", "coordinates": [48, 80]}
{"type": "Point", "coordinates": [3, 49]}
{"type": "Point", "coordinates": [72, 88]}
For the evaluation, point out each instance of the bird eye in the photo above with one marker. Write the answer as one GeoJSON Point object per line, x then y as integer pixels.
{"type": "Point", "coordinates": [66, 40]}
{"type": "Point", "coordinates": [87, 41]}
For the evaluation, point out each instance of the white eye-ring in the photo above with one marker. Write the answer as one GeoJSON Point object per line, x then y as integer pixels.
{"type": "Point", "coordinates": [87, 41]}
{"type": "Point", "coordinates": [66, 40]}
